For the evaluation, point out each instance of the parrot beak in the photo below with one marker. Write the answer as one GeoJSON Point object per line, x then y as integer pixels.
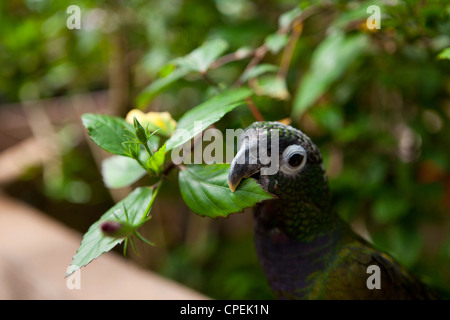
{"type": "Point", "coordinates": [241, 167]}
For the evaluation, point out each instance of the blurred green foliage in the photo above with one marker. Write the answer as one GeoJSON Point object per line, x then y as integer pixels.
{"type": "Point", "coordinates": [375, 101]}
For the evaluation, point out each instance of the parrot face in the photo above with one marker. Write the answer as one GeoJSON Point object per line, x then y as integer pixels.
{"type": "Point", "coordinates": [301, 207]}
{"type": "Point", "coordinates": [292, 157]}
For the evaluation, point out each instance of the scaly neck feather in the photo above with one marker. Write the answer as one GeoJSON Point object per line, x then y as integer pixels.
{"type": "Point", "coordinates": [297, 235]}
{"type": "Point", "coordinates": [290, 265]}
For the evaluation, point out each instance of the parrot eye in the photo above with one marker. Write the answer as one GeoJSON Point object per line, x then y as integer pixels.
{"type": "Point", "coordinates": [293, 160]}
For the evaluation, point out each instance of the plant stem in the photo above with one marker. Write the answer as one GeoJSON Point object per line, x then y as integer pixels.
{"type": "Point", "coordinates": [211, 81]}
{"type": "Point", "coordinates": [235, 56]}
{"type": "Point", "coordinates": [134, 246]}
{"type": "Point", "coordinates": [254, 110]}
{"type": "Point", "coordinates": [141, 163]}
{"type": "Point", "coordinates": [168, 168]}
{"type": "Point", "coordinates": [140, 237]}
{"type": "Point", "coordinates": [149, 152]}
{"type": "Point", "coordinates": [125, 246]}
{"type": "Point", "coordinates": [260, 52]}
{"type": "Point", "coordinates": [297, 29]}
{"type": "Point", "coordinates": [150, 204]}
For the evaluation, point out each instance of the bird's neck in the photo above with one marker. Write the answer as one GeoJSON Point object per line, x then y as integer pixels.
{"type": "Point", "coordinates": [295, 262]}
{"type": "Point", "coordinates": [302, 209]}
{"type": "Point", "coordinates": [297, 234]}
{"type": "Point", "coordinates": [293, 266]}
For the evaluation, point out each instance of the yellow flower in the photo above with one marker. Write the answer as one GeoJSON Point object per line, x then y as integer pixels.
{"type": "Point", "coordinates": [155, 120]}
{"type": "Point", "coordinates": [286, 121]}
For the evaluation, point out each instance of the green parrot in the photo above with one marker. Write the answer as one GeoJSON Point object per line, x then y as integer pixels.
{"type": "Point", "coordinates": [305, 250]}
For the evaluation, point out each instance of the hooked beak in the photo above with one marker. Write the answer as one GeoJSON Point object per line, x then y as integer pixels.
{"type": "Point", "coordinates": [244, 165]}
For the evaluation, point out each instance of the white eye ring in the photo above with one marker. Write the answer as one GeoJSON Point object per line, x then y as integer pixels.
{"type": "Point", "coordinates": [293, 159]}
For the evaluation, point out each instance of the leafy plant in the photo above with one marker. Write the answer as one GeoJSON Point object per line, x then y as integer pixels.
{"type": "Point", "coordinates": [203, 187]}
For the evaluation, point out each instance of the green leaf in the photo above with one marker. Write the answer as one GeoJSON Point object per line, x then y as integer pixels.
{"type": "Point", "coordinates": [286, 18]}
{"type": "Point", "coordinates": [95, 243]}
{"type": "Point", "coordinates": [153, 142]}
{"type": "Point", "coordinates": [140, 132]}
{"type": "Point", "coordinates": [259, 70]}
{"type": "Point", "coordinates": [275, 42]}
{"type": "Point", "coordinates": [272, 86]}
{"type": "Point", "coordinates": [329, 62]}
{"type": "Point", "coordinates": [107, 132]}
{"type": "Point", "coordinates": [156, 161]}
{"type": "Point", "coordinates": [159, 85]}
{"type": "Point", "coordinates": [166, 70]}
{"type": "Point", "coordinates": [119, 172]}
{"type": "Point", "coordinates": [206, 114]}
{"type": "Point", "coordinates": [205, 190]}
{"type": "Point", "coordinates": [445, 54]}
{"type": "Point", "coordinates": [201, 58]}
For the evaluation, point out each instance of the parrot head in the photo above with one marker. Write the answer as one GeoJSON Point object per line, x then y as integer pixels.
{"type": "Point", "coordinates": [287, 164]}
